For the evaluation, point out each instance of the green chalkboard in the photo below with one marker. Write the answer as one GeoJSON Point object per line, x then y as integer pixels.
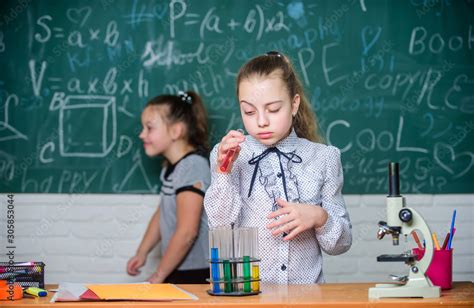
{"type": "Point", "coordinates": [389, 80]}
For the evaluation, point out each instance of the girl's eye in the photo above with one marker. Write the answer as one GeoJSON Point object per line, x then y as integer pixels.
{"type": "Point", "coordinates": [249, 112]}
{"type": "Point", "coordinates": [274, 110]}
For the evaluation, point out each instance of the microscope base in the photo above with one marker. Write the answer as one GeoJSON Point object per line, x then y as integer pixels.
{"type": "Point", "coordinates": [402, 290]}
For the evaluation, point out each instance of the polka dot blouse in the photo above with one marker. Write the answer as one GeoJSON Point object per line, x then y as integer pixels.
{"type": "Point", "coordinates": [295, 170]}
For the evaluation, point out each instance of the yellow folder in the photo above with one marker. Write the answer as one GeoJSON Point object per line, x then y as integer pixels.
{"type": "Point", "coordinates": [152, 292]}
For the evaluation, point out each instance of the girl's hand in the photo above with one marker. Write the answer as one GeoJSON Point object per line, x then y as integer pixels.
{"type": "Point", "coordinates": [229, 145]}
{"type": "Point", "coordinates": [155, 278]}
{"type": "Point", "coordinates": [294, 218]}
{"type": "Point", "coordinates": [134, 264]}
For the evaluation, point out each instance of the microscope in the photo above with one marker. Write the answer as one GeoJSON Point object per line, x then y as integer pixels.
{"type": "Point", "coordinates": [403, 220]}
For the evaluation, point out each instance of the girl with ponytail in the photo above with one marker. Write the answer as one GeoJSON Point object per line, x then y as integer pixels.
{"type": "Point", "coordinates": [175, 126]}
{"type": "Point", "coordinates": [280, 177]}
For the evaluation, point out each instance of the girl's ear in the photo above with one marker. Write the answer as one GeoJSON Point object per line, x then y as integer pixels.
{"type": "Point", "coordinates": [295, 104]}
{"type": "Point", "coordinates": [176, 130]}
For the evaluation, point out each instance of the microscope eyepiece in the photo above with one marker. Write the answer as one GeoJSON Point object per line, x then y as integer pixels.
{"type": "Point", "coordinates": [393, 180]}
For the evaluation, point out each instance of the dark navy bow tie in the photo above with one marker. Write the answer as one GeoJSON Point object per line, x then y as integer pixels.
{"type": "Point", "coordinates": [291, 156]}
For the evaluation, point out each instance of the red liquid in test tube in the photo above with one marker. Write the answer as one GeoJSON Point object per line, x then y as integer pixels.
{"type": "Point", "coordinates": [229, 156]}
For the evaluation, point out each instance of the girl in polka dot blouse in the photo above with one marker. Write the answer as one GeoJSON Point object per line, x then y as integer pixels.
{"type": "Point", "coordinates": [280, 178]}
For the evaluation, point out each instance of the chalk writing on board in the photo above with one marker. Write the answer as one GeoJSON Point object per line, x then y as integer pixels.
{"type": "Point", "coordinates": [388, 81]}
{"type": "Point", "coordinates": [96, 143]}
{"type": "Point", "coordinates": [7, 131]}
{"type": "Point", "coordinates": [136, 168]}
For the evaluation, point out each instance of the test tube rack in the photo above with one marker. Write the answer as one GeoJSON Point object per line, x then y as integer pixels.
{"type": "Point", "coordinates": [235, 285]}
{"type": "Point", "coordinates": [234, 265]}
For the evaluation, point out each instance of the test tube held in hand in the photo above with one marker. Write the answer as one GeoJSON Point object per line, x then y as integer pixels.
{"type": "Point", "coordinates": [227, 159]}
{"type": "Point", "coordinates": [228, 156]}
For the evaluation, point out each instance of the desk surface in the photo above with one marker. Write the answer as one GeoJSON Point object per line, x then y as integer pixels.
{"type": "Point", "coordinates": [336, 295]}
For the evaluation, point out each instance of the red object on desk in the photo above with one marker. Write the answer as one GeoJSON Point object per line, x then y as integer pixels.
{"type": "Point", "coordinates": [89, 295]}
{"type": "Point", "coordinates": [5, 290]}
{"type": "Point", "coordinates": [440, 270]}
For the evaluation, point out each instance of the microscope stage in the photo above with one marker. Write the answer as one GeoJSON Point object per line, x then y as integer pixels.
{"type": "Point", "coordinates": [407, 258]}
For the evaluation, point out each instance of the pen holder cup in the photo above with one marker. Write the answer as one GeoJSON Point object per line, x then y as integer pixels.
{"type": "Point", "coordinates": [440, 271]}
{"type": "Point", "coordinates": [234, 265]}
{"type": "Point", "coordinates": [26, 274]}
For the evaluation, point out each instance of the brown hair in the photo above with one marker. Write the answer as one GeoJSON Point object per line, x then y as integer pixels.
{"type": "Point", "coordinates": [305, 121]}
{"type": "Point", "coordinates": [186, 107]}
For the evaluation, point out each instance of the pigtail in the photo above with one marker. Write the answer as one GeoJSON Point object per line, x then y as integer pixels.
{"type": "Point", "coordinates": [198, 131]}
{"type": "Point", "coordinates": [305, 122]}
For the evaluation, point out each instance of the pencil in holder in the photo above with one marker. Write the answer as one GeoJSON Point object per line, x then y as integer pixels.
{"type": "Point", "coordinates": [234, 262]}
{"type": "Point", "coordinates": [26, 274]}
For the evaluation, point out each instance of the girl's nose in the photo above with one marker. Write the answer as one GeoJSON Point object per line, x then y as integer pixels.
{"type": "Point", "coordinates": [262, 119]}
{"type": "Point", "coordinates": [142, 134]}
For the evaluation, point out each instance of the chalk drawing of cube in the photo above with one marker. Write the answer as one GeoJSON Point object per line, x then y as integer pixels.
{"type": "Point", "coordinates": [87, 126]}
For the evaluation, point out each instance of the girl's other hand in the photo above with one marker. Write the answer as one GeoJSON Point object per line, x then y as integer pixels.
{"type": "Point", "coordinates": [134, 264]}
{"type": "Point", "coordinates": [294, 218]}
{"type": "Point", "coordinates": [229, 145]}
{"type": "Point", "coordinates": [155, 278]}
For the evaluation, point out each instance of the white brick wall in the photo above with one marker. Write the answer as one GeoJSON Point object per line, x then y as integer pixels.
{"type": "Point", "coordinates": [89, 238]}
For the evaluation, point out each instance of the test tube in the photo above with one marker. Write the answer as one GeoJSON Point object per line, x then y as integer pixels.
{"type": "Point", "coordinates": [246, 243]}
{"type": "Point", "coordinates": [235, 286]}
{"type": "Point", "coordinates": [238, 256]}
{"type": "Point", "coordinates": [214, 247]}
{"type": "Point", "coordinates": [226, 255]}
{"type": "Point", "coordinates": [227, 277]}
{"type": "Point", "coordinates": [254, 255]}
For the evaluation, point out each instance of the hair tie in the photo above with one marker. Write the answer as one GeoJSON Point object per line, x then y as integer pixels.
{"type": "Point", "coordinates": [274, 53]}
{"type": "Point", "coordinates": [185, 97]}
